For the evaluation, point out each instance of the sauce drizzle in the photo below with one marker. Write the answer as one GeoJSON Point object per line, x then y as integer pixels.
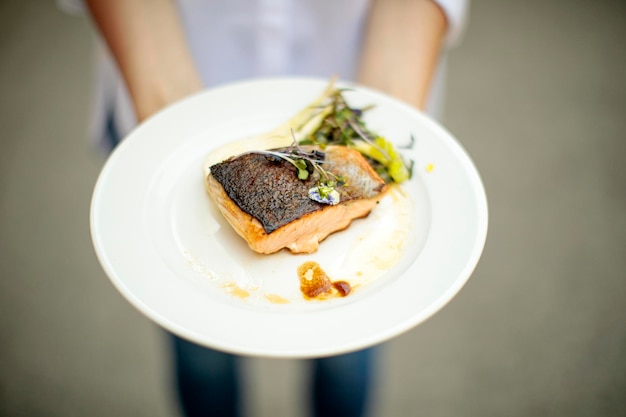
{"type": "Point", "coordinates": [316, 284]}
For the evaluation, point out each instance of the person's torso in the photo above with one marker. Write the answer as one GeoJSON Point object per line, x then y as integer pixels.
{"type": "Point", "coordinates": [237, 39]}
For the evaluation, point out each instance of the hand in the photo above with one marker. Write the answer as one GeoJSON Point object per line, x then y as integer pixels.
{"type": "Point", "coordinates": [147, 41]}
{"type": "Point", "coordinates": [401, 49]}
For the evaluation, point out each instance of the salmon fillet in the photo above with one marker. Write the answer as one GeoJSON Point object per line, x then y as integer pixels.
{"type": "Point", "coordinates": [267, 205]}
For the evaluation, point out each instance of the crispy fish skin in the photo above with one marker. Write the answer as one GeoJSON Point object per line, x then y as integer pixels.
{"type": "Point", "coordinates": [266, 188]}
{"type": "Point", "coordinates": [268, 205]}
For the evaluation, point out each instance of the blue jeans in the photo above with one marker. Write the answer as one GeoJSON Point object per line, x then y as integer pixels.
{"type": "Point", "coordinates": [207, 382]}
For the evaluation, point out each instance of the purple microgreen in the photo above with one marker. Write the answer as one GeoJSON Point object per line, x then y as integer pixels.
{"type": "Point", "coordinates": [325, 194]}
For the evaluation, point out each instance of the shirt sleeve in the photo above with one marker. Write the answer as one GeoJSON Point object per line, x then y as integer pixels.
{"type": "Point", "coordinates": [456, 12]}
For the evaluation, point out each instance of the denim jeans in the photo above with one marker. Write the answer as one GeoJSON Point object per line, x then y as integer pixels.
{"type": "Point", "coordinates": [208, 382]}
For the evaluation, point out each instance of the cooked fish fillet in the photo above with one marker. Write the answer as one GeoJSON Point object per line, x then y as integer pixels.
{"type": "Point", "coordinates": [268, 206]}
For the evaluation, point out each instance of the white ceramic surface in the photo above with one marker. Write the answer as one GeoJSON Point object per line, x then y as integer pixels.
{"type": "Point", "coordinates": [166, 248]}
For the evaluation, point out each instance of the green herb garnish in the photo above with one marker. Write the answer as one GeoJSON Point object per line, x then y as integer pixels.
{"type": "Point", "coordinates": [344, 125]}
{"type": "Point", "coordinates": [329, 120]}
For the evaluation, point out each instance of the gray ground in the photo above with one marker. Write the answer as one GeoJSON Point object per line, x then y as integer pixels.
{"type": "Point", "coordinates": [537, 94]}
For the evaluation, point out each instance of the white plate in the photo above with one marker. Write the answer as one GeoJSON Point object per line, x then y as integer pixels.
{"type": "Point", "coordinates": [166, 248]}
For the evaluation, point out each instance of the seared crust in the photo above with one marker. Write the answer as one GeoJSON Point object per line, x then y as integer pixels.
{"type": "Point", "coordinates": [269, 207]}
{"type": "Point", "coordinates": [267, 189]}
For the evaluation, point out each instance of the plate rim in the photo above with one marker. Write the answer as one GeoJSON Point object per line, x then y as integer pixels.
{"type": "Point", "coordinates": [469, 265]}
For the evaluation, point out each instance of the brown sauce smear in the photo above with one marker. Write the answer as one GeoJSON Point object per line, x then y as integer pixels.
{"type": "Point", "coordinates": [316, 284]}
{"type": "Point", "coordinates": [342, 287]}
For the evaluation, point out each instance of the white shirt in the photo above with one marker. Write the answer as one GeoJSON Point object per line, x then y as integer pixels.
{"type": "Point", "coordinates": [236, 39]}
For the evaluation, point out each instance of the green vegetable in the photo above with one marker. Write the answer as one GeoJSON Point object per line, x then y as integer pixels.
{"type": "Point", "coordinates": [328, 120]}
{"type": "Point", "coordinates": [344, 125]}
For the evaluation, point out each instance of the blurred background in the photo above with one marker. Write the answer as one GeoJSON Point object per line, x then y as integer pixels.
{"type": "Point", "coordinates": [536, 94]}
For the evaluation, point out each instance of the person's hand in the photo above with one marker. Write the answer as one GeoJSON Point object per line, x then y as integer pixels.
{"type": "Point", "coordinates": [147, 41]}
{"type": "Point", "coordinates": [401, 49]}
